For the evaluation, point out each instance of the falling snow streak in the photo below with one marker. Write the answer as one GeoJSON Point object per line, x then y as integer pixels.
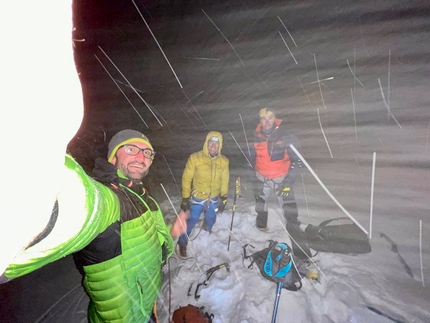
{"type": "Point", "coordinates": [134, 108]}
{"type": "Point", "coordinates": [353, 74]}
{"type": "Point", "coordinates": [306, 198]}
{"type": "Point", "coordinates": [173, 176]}
{"type": "Point", "coordinates": [323, 80]}
{"type": "Point", "coordinates": [183, 134]}
{"type": "Point", "coordinates": [131, 86]}
{"type": "Point", "coordinates": [125, 84]}
{"type": "Point", "coordinates": [353, 110]}
{"type": "Point", "coordinates": [188, 116]}
{"type": "Point", "coordinates": [49, 310]}
{"type": "Point", "coordinates": [386, 104]}
{"type": "Point", "coordinates": [319, 83]}
{"type": "Point", "coordinates": [249, 163]}
{"type": "Point", "coordinates": [322, 130]}
{"type": "Point", "coordinates": [195, 109]}
{"type": "Point", "coordinates": [196, 95]}
{"type": "Point", "coordinates": [202, 58]}
{"type": "Point", "coordinates": [288, 48]}
{"type": "Point", "coordinates": [158, 113]}
{"type": "Point", "coordinates": [372, 192]}
{"type": "Point", "coordinates": [326, 189]}
{"type": "Point", "coordinates": [147, 26]}
{"type": "Point", "coordinates": [307, 97]}
{"type": "Point", "coordinates": [187, 110]}
{"type": "Point", "coordinates": [389, 81]}
{"type": "Point", "coordinates": [177, 217]}
{"type": "Point", "coordinates": [421, 253]}
{"type": "Point", "coordinates": [246, 137]}
{"type": "Point", "coordinates": [224, 37]}
{"type": "Point", "coordinates": [287, 31]}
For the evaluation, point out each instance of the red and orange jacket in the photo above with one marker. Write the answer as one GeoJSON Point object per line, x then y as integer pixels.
{"type": "Point", "coordinates": [272, 156]}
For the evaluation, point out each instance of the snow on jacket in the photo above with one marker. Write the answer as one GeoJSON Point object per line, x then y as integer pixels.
{"type": "Point", "coordinates": [118, 231]}
{"type": "Point", "coordinates": [272, 156]}
{"type": "Point", "coordinates": [205, 176]}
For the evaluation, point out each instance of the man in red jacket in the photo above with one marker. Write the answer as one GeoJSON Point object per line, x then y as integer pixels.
{"type": "Point", "coordinates": [276, 166]}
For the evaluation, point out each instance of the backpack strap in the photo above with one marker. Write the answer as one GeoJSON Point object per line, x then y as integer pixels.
{"type": "Point", "coordinates": [280, 271]}
{"type": "Point", "coordinates": [245, 256]}
{"type": "Point", "coordinates": [324, 223]}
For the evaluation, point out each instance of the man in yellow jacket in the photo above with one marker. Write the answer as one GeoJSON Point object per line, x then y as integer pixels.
{"type": "Point", "coordinates": [204, 186]}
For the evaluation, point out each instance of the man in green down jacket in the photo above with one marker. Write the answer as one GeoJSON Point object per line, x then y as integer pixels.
{"type": "Point", "coordinates": [62, 210]}
{"type": "Point", "coordinates": [121, 242]}
{"type": "Point", "coordinates": [204, 186]}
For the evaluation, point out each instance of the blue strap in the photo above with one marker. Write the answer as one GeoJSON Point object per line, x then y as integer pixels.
{"type": "Point", "coordinates": [268, 265]}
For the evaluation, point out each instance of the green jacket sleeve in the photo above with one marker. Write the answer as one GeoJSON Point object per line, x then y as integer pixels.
{"type": "Point", "coordinates": [84, 208]}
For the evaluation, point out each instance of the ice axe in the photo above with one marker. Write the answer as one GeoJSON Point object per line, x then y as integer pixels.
{"type": "Point", "coordinates": [237, 193]}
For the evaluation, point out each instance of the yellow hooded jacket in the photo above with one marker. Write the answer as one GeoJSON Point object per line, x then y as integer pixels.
{"type": "Point", "coordinates": [205, 176]}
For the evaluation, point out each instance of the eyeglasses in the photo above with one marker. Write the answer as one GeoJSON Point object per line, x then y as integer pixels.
{"type": "Point", "coordinates": [133, 150]}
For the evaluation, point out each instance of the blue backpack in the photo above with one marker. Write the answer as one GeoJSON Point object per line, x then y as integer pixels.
{"type": "Point", "coordinates": [277, 263]}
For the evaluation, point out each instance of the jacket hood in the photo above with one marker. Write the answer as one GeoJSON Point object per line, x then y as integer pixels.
{"type": "Point", "coordinates": [208, 136]}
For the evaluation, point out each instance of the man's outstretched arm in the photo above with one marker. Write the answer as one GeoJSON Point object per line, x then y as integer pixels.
{"type": "Point", "coordinates": [42, 109]}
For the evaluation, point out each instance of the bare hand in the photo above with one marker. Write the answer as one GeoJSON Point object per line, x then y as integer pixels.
{"type": "Point", "coordinates": [180, 225]}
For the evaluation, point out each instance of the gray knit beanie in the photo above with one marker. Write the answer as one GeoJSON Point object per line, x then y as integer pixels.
{"type": "Point", "coordinates": [124, 137]}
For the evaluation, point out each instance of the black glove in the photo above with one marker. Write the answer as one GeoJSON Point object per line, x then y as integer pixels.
{"type": "Point", "coordinates": [284, 191]}
{"type": "Point", "coordinates": [222, 203]}
{"type": "Point", "coordinates": [185, 204]}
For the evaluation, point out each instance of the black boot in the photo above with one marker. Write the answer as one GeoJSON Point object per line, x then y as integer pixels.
{"type": "Point", "coordinates": [262, 219]}
{"type": "Point", "coordinates": [291, 213]}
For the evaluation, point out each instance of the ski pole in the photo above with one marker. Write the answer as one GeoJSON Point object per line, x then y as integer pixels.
{"type": "Point", "coordinates": [278, 296]}
{"type": "Point", "coordinates": [236, 194]}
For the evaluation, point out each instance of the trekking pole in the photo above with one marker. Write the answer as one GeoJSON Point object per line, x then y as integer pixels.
{"type": "Point", "coordinates": [237, 193]}
{"type": "Point", "coordinates": [278, 296]}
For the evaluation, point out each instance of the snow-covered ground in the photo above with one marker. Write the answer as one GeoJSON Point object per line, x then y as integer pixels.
{"type": "Point", "coordinates": [353, 84]}
{"type": "Point", "coordinates": [372, 287]}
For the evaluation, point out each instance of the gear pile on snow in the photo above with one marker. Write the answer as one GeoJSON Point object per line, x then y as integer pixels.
{"type": "Point", "coordinates": [329, 237]}
{"type": "Point", "coordinates": [278, 264]}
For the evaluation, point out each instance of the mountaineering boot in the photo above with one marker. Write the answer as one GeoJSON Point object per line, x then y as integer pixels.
{"type": "Point", "coordinates": [183, 250]}
{"type": "Point", "coordinates": [262, 220]}
{"type": "Point", "coordinates": [291, 213]}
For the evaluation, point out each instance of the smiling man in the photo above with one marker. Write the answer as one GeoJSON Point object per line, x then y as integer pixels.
{"type": "Point", "coordinates": [276, 167]}
{"type": "Point", "coordinates": [115, 230]}
{"type": "Point", "coordinates": [122, 265]}
{"type": "Point", "coordinates": [131, 152]}
{"type": "Point", "coordinates": [204, 186]}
